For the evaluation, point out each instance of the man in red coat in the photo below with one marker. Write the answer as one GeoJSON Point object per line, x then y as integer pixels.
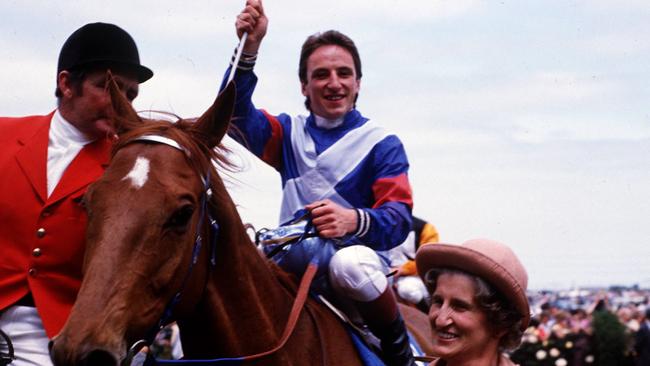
{"type": "Point", "coordinates": [46, 165]}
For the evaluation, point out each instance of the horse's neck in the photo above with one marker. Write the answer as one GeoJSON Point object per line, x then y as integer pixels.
{"type": "Point", "coordinates": [245, 306]}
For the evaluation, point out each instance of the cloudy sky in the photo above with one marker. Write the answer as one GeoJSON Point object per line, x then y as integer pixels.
{"type": "Point", "coordinates": [525, 121]}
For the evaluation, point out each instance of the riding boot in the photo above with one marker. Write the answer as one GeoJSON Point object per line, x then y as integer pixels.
{"type": "Point", "coordinates": [386, 323]}
{"type": "Point", "coordinates": [395, 344]}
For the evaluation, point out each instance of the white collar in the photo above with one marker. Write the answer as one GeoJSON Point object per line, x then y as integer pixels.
{"type": "Point", "coordinates": [62, 130]}
{"type": "Point", "coordinates": [328, 124]}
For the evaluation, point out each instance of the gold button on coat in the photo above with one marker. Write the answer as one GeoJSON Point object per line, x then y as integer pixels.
{"type": "Point", "coordinates": [36, 252]}
{"type": "Point", "coordinates": [40, 232]}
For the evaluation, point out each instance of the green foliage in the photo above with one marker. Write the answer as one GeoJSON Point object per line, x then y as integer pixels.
{"type": "Point", "coordinates": [609, 339]}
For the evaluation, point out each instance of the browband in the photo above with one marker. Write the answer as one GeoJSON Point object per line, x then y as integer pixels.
{"type": "Point", "coordinates": [162, 140]}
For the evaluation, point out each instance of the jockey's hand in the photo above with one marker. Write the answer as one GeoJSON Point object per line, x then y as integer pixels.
{"type": "Point", "coordinates": [332, 220]}
{"type": "Point", "coordinates": [253, 21]}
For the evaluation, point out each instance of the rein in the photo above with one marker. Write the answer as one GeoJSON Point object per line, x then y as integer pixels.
{"type": "Point", "coordinates": [301, 297]}
{"type": "Point", "coordinates": [296, 308]}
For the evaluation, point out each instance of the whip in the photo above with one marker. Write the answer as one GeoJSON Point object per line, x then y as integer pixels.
{"type": "Point", "coordinates": [240, 48]}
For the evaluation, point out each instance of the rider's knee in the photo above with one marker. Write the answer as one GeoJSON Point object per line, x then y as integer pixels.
{"type": "Point", "coordinates": [358, 273]}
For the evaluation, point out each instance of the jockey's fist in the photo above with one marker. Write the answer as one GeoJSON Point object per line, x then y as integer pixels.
{"type": "Point", "coordinates": [253, 21]}
{"type": "Point", "coordinates": [332, 220]}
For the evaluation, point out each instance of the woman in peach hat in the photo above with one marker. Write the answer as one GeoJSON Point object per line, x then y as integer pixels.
{"type": "Point", "coordinates": [479, 307]}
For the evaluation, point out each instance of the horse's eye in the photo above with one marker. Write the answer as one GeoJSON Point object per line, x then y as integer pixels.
{"type": "Point", "coordinates": [180, 218]}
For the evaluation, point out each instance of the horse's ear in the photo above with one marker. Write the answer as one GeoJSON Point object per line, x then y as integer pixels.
{"type": "Point", "coordinates": [213, 124]}
{"type": "Point", "coordinates": [125, 117]}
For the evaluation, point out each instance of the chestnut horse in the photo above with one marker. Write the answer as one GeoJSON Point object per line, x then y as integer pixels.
{"type": "Point", "coordinates": [144, 217]}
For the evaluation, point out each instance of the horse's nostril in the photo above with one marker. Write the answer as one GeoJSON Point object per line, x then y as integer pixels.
{"type": "Point", "coordinates": [99, 357]}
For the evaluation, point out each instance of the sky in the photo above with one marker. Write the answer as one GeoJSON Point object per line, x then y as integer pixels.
{"type": "Point", "coordinates": [525, 122]}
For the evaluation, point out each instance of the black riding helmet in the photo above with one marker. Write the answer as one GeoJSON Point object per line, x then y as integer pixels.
{"type": "Point", "coordinates": [101, 44]}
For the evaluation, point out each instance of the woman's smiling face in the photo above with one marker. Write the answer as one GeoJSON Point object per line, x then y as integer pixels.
{"type": "Point", "coordinates": [460, 327]}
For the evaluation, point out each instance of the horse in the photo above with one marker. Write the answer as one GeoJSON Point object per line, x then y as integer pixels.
{"type": "Point", "coordinates": [163, 230]}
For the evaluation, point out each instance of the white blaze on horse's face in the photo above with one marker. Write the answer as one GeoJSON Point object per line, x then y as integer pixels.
{"type": "Point", "coordinates": [139, 173]}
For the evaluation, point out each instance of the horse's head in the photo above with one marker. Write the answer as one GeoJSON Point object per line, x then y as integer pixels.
{"type": "Point", "coordinates": [144, 215]}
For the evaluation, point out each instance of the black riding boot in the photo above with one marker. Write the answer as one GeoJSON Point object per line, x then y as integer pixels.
{"type": "Point", "coordinates": [395, 344]}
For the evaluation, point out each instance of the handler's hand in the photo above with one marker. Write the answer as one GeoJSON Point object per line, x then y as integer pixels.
{"type": "Point", "coordinates": [253, 21]}
{"type": "Point", "coordinates": [332, 220]}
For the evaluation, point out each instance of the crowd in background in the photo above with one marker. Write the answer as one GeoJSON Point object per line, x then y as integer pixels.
{"type": "Point", "coordinates": [569, 328]}
{"type": "Point", "coordinates": [587, 327]}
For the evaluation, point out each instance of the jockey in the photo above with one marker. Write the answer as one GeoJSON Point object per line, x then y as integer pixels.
{"type": "Point", "coordinates": [407, 283]}
{"type": "Point", "coordinates": [349, 173]}
{"type": "Point", "coordinates": [47, 163]}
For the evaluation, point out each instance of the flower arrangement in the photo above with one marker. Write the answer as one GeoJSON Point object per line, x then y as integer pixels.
{"type": "Point", "coordinates": [570, 350]}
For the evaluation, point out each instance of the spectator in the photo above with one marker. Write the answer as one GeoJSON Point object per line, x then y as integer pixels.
{"type": "Point", "coordinates": [642, 341]}
{"type": "Point", "coordinates": [47, 163]}
{"type": "Point", "coordinates": [479, 306]}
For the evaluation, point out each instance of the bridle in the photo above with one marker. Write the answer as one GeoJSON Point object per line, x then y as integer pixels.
{"type": "Point", "coordinates": [205, 215]}
{"type": "Point", "coordinates": [213, 233]}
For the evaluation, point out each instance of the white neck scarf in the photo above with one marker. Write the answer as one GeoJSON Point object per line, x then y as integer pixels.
{"type": "Point", "coordinates": [64, 144]}
{"type": "Point", "coordinates": [327, 124]}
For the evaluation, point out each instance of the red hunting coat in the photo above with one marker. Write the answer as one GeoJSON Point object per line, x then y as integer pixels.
{"type": "Point", "coordinates": [42, 239]}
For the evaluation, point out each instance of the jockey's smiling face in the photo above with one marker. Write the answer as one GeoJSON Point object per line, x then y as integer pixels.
{"type": "Point", "coordinates": [332, 83]}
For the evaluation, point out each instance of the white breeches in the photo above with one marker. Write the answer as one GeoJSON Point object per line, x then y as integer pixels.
{"type": "Point", "coordinates": [358, 273]}
{"type": "Point", "coordinates": [24, 327]}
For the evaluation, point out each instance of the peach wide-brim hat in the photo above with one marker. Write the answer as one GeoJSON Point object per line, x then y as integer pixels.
{"type": "Point", "coordinates": [494, 262]}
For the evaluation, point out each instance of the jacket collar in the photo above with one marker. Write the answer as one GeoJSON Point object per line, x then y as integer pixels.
{"type": "Point", "coordinates": [32, 157]}
{"type": "Point", "coordinates": [85, 168]}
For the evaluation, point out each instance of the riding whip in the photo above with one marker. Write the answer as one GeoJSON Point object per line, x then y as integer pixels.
{"type": "Point", "coordinates": [240, 48]}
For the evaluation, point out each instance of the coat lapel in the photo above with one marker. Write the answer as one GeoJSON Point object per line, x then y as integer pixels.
{"type": "Point", "coordinates": [86, 167]}
{"type": "Point", "coordinates": [32, 158]}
